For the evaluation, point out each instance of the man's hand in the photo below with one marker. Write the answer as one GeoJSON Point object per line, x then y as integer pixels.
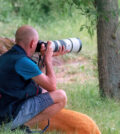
{"type": "Point", "coordinates": [48, 53]}
{"type": "Point", "coordinates": [43, 49]}
{"type": "Point", "coordinates": [61, 51]}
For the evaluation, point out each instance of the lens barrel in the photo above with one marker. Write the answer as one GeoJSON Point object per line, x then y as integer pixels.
{"type": "Point", "coordinates": [70, 44]}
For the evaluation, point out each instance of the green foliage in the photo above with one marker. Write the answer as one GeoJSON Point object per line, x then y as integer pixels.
{"type": "Point", "coordinates": [36, 10]}
{"type": "Point", "coordinates": [6, 10]}
{"type": "Point", "coordinates": [45, 11]}
{"type": "Point", "coordinates": [87, 8]}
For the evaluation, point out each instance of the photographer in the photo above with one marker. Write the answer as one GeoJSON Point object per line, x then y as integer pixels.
{"type": "Point", "coordinates": [25, 91]}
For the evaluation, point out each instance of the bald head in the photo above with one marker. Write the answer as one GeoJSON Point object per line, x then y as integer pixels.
{"type": "Point", "coordinates": [25, 34]}
{"type": "Point", "coordinates": [27, 37]}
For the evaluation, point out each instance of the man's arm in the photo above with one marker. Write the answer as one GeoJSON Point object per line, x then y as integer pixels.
{"type": "Point", "coordinates": [48, 80]}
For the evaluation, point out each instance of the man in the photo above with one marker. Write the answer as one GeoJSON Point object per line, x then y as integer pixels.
{"type": "Point", "coordinates": [22, 83]}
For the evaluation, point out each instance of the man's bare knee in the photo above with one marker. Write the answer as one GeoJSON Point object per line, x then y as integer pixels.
{"type": "Point", "coordinates": [59, 96]}
{"type": "Point", "coordinates": [63, 96]}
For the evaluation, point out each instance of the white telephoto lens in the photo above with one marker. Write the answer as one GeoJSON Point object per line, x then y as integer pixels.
{"type": "Point", "coordinates": [77, 44]}
{"type": "Point", "coordinates": [71, 44]}
{"type": "Point", "coordinates": [53, 45]}
{"type": "Point", "coordinates": [68, 44]}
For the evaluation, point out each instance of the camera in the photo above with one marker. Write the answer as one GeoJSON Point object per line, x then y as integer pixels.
{"type": "Point", "coordinates": [70, 44]}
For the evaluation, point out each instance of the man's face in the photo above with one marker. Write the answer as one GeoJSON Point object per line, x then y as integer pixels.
{"type": "Point", "coordinates": [34, 44]}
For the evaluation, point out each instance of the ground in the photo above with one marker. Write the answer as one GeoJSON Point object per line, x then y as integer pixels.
{"type": "Point", "coordinates": [73, 70]}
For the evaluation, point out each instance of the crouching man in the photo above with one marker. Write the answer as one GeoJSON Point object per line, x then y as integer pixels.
{"type": "Point", "coordinates": [22, 83]}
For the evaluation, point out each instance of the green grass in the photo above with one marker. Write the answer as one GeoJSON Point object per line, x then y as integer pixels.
{"type": "Point", "coordinates": [85, 98]}
{"type": "Point", "coordinates": [82, 96]}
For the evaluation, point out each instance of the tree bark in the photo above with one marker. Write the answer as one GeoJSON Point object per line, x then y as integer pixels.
{"type": "Point", "coordinates": [108, 40]}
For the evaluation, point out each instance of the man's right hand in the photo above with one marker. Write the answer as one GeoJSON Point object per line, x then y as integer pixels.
{"type": "Point", "coordinates": [48, 53]}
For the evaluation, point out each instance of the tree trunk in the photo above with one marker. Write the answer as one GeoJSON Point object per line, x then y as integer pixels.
{"type": "Point", "coordinates": [108, 39]}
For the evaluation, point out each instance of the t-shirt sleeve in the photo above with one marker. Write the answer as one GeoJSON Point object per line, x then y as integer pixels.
{"type": "Point", "coordinates": [27, 68]}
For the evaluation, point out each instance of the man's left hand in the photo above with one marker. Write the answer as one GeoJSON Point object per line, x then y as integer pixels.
{"type": "Point", "coordinates": [61, 51]}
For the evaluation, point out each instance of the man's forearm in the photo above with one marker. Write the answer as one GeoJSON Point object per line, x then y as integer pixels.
{"type": "Point", "coordinates": [51, 74]}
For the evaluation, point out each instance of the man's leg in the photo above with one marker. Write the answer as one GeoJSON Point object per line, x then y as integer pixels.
{"type": "Point", "coordinates": [59, 97]}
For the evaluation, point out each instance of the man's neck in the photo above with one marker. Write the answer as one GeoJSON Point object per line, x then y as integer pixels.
{"type": "Point", "coordinates": [28, 53]}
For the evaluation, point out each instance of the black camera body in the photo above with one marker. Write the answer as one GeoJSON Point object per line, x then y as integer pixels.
{"type": "Point", "coordinates": [40, 42]}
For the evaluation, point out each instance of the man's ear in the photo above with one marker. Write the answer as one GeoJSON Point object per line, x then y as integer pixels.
{"type": "Point", "coordinates": [31, 43]}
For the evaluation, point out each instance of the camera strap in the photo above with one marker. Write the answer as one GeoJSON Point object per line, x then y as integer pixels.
{"type": "Point", "coordinates": [41, 63]}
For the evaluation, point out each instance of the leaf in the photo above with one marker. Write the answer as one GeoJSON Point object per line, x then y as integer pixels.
{"type": "Point", "coordinates": [81, 28]}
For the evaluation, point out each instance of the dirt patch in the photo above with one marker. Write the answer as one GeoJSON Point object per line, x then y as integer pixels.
{"type": "Point", "coordinates": [77, 70]}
